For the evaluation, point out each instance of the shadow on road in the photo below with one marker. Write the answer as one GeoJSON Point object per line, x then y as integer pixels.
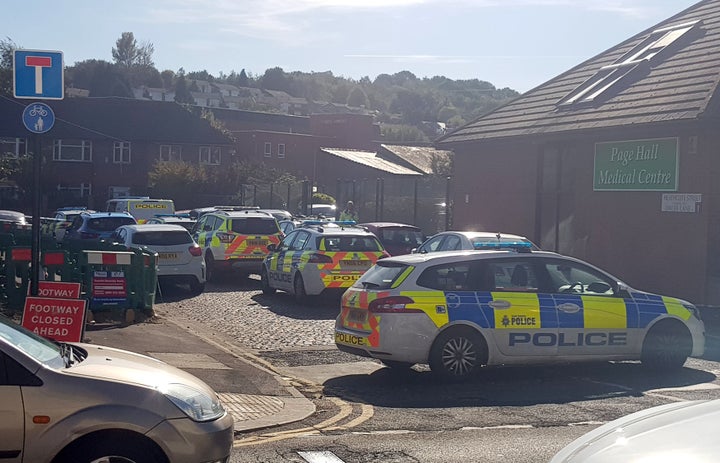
{"type": "Point", "coordinates": [510, 386]}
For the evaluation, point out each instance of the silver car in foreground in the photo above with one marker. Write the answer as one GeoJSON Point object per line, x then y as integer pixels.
{"type": "Point", "coordinates": [68, 402]}
{"type": "Point", "coordinates": [675, 432]}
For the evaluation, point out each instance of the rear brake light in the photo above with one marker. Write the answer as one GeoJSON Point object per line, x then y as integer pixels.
{"type": "Point", "coordinates": [320, 259]}
{"type": "Point", "coordinates": [392, 304]}
{"type": "Point", "coordinates": [195, 250]}
{"type": "Point", "coordinates": [225, 237]}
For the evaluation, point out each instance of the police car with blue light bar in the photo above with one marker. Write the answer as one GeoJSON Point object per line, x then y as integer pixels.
{"type": "Point", "coordinates": [459, 311]}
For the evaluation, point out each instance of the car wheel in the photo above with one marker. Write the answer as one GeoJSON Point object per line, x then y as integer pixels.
{"type": "Point", "coordinates": [265, 283]}
{"type": "Point", "coordinates": [667, 345]}
{"type": "Point", "coordinates": [196, 288]}
{"type": "Point", "coordinates": [113, 451]}
{"type": "Point", "coordinates": [458, 353]}
{"type": "Point", "coordinates": [299, 290]}
{"type": "Point", "coordinates": [210, 271]}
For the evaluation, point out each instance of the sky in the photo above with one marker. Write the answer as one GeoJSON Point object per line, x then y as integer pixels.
{"type": "Point", "coordinates": [518, 44]}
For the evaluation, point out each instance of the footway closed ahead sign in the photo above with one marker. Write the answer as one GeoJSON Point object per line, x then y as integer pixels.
{"type": "Point", "coordinates": [54, 317]}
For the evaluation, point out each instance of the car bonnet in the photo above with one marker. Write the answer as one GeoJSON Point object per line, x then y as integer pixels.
{"type": "Point", "coordinates": [685, 431]}
{"type": "Point", "coordinates": [112, 364]}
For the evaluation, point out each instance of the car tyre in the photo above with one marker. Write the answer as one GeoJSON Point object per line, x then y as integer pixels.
{"type": "Point", "coordinates": [196, 288]}
{"type": "Point", "coordinates": [210, 270]}
{"type": "Point", "coordinates": [113, 450]}
{"type": "Point", "coordinates": [666, 346]}
{"type": "Point", "coordinates": [457, 354]}
{"type": "Point", "coordinates": [265, 283]}
{"type": "Point", "coordinates": [299, 290]}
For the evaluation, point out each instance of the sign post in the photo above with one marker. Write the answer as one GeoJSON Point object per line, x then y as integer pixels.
{"type": "Point", "coordinates": [37, 74]}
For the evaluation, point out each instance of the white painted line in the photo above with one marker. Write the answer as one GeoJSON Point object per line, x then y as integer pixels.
{"type": "Point", "coordinates": [320, 457]}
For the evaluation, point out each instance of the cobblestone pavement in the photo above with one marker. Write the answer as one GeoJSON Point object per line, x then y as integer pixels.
{"type": "Point", "coordinates": [239, 309]}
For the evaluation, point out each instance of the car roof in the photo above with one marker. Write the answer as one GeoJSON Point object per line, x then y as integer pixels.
{"type": "Point", "coordinates": [388, 225]}
{"type": "Point", "coordinates": [243, 214]}
{"type": "Point", "coordinates": [450, 256]}
{"type": "Point", "coordinates": [153, 227]}
{"type": "Point", "coordinates": [95, 215]}
{"type": "Point", "coordinates": [481, 234]}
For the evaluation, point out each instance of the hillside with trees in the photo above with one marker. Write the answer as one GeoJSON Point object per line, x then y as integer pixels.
{"type": "Point", "coordinates": [402, 103]}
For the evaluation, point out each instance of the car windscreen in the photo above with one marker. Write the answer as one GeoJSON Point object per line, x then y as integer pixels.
{"type": "Point", "coordinates": [381, 275]}
{"type": "Point", "coordinates": [402, 236]}
{"type": "Point", "coordinates": [349, 243]}
{"type": "Point", "coordinates": [33, 345]}
{"type": "Point", "coordinates": [162, 238]}
{"type": "Point", "coordinates": [255, 226]}
{"type": "Point", "coordinates": [109, 223]}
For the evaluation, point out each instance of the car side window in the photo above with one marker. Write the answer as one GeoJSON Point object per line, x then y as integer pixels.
{"type": "Point", "coordinates": [286, 242]}
{"type": "Point", "coordinates": [451, 243]}
{"type": "Point", "coordinates": [432, 244]}
{"type": "Point", "coordinates": [514, 275]}
{"type": "Point", "coordinates": [571, 277]}
{"type": "Point", "coordinates": [300, 241]}
{"type": "Point", "coordinates": [447, 277]}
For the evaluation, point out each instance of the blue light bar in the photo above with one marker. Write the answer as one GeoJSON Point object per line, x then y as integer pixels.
{"type": "Point", "coordinates": [502, 245]}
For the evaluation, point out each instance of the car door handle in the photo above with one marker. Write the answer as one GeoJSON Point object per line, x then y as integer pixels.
{"type": "Point", "coordinates": [569, 307]}
{"type": "Point", "coordinates": [500, 304]}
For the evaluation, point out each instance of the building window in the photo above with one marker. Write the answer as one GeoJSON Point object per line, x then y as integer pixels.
{"type": "Point", "coordinates": [281, 150]}
{"type": "Point", "coordinates": [268, 149]}
{"type": "Point", "coordinates": [170, 153]}
{"type": "Point", "coordinates": [121, 152]}
{"type": "Point", "coordinates": [640, 57]}
{"type": "Point", "coordinates": [210, 155]}
{"type": "Point", "coordinates": [13, 147]}
{"type": "Point", "coordinates": [72, 150]}
{"type": "Point", "coordinates": [80, 191]}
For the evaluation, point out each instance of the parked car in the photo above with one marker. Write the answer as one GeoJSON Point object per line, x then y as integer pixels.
{"type": "Point", "coordinates": [85, 402]}
{"type": "Point", "coordinates": [397, 238]}
{"type": "Point", "coordinates": [467, 240]}
{"type": "Point", "coordinates": [235, 240]}
{"type": "Point", "coordinates": [64, 218]}
{"type": "Point", "coordinates": [174, 219]}
{"type": "Point", "coordinates": [678, 431]}
{"type": "Point", "coordinates": [460, 311]}
{"type": "Point", "coordinates": [325, 210]}
{"type": "Point", "coordinates": [179, 256]}
{"type": "Point", "coordinates": [279, 214]}
{"type": "Point", "coordinates": [95, 226]}
{"type": "Point", "coordinates": [318, 257]}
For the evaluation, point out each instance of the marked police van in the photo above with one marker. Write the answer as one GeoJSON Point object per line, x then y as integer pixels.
{"type": "Point", "coordinates": [141, 207]}
{"type": "Point", "coordinates": [461, 310]}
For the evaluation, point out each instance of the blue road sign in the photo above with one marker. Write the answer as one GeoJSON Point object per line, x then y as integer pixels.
{"type": "Point", "coordinates": [38, 74]}
{"type": "Point", "coordinates": [38, 117]}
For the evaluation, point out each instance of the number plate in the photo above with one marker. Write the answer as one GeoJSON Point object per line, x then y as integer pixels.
{"type": "Point", "coordinates": [167, 255]}
{"type": "Point", "coordinates": [256, 242]}
{"type": "Point", "coordinates": [356, 263]}
{"type": "Point", "coordinates": [357, 316]}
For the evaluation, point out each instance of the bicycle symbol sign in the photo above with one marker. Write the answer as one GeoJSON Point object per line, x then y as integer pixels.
{"type": "Point", "coordinates": [38, 117]}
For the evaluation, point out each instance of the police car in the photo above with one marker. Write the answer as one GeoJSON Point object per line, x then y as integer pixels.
{"type": "Point", "coordinates": [237, 240]}
{"type": "Point", "coordinates": [320, 256]}
{"type": "Point", "coordinates": [461, 310]}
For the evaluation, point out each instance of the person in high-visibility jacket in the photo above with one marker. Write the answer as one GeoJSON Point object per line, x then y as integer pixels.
{"type": "Point", "coordinates": [349, 213]}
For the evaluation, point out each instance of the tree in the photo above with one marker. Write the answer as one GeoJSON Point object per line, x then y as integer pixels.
{"type": "Point", "coordinates": [275, 79]}
{"type": "Point", "coordinates": [242, 80]}
{"type": "Point", "coordinates": [357, 98]}
{"type": "Point", "coordinates": [7, 47]}
{"type": "Point", "coordinates": [168, 78]}
{"type": "Point", "coordinates": [182, 92]}
{"type": "Point", "coordinates": [129, 54]}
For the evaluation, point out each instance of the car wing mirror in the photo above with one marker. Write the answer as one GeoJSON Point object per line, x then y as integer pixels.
{"type": "Point", "coordinates": [271, 247]}
{"type": "Point", "coordinates": [622, 289]}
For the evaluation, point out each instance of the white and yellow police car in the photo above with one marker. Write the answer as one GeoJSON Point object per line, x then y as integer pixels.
{"type": "Point", "coordinates": [235, 240]}
{"type": "Point", "coordinates": [461, 310]}
{"type": "Point", "coordinates": [319, 256]}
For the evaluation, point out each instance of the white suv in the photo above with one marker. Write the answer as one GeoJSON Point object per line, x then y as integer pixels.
{"type": "Point", "coordinates": [179, 256]}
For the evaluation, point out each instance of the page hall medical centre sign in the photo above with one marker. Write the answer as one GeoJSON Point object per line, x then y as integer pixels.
{"type": "Point", "coordinates": [637, 165]}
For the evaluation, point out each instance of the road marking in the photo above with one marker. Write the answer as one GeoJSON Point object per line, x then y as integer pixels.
{"type": "Point", "coordinates": [345, 411]}
{"type": "Point", "coordinates": [320, 457]}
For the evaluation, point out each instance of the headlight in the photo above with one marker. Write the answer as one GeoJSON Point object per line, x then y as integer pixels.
{"type": "Point", "coordinates": [693, 310]}
{"type": "Point", "coordinates": [197, 405]}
